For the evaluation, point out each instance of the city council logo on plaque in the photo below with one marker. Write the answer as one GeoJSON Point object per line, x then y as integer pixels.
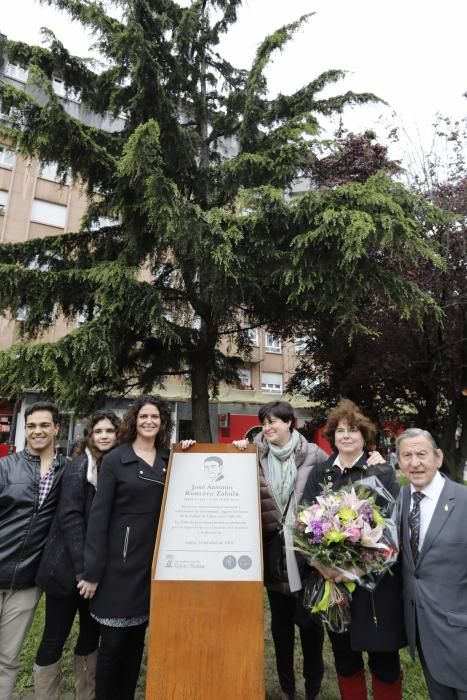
{"type": "Point", "coordinates": [229, 562]}
{"type": "Point", "coordinates": [244, 561]}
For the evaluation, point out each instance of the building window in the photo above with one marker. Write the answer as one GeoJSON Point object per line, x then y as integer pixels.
{"type": "Point", "coordinates": [244, 376]}
{"type": "Point", "coordinates": [253, 336]}
{"type": "Point", "coordinates": [12, 70]}
{"type": "Point", "coordinates": [49, 171]}
{"type": "Point", "coordinates": [301, 344]}
{"type": "Point", "coordinates": [48, 213]}
{"type": "Point", "coordinates": [86, 315]}
{"type": "Point", "coordinates": [7, 157]}
{"type": "Point", "coordinates": [81, 318]}
{"type": "Point", "coordinates": [4, 111]}
{"type": "Point", "coordinates": [60, 89]}
{"type": "Point", "coordinates": [272, 344]}
{"type": "Point", "coordinates": [103, 222]}
{"type": "Point", "coordinates": [35, 265]}
{"type": "Point", "coordinates": [3, 201]}
{"type": "Point", "coordinates": [7, 113]}
{"type": "Point", "coordinates": [58, 86]}
{"type": "Point", "coordinates": [271, 382]}
{"type": "Point", "coordinates": [22, 313]}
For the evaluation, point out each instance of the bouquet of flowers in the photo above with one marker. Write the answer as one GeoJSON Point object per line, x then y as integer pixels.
{"type": "Point", "coordinates": [354, 532]}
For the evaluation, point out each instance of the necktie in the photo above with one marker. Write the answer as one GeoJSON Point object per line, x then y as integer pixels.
{"type": "Point", "coordinates": [414, 522]}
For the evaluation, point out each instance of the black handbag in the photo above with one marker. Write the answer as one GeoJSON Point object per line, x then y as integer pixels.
{"type": "Point", "coordinates": [274, 563]}
{"type": "Point", "coordinates": [273, 557]}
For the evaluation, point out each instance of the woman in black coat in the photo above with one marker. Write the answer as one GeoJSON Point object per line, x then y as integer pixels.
{"type": "Point", "coordinates": [62, 566]}
{"type": "Point", "coordinates": [377, 624]}
{"type": "Point", "coordinates": [120, 544]}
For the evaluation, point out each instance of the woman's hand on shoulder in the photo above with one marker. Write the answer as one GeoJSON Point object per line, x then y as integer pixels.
{"type": "Point", "coordinates": [87, 589]}
{"type": "Point", "coordinates": [185, 444]}
{"type": "Point", "coordinates": [374, 458]}
{"type": "Point", "coordinates": [240, 444]}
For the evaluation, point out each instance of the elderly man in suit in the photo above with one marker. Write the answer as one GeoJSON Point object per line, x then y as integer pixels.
{"type": "Point", "coordinates": [434, 561]}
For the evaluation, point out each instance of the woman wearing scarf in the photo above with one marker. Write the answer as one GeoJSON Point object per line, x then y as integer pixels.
{"type": "Point", "coordinates": [286, 459]}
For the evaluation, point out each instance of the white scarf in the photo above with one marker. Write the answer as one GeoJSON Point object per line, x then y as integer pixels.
{"type": "Point", "coordinates": [91, 474]}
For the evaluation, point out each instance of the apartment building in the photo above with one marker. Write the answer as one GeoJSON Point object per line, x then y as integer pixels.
{"type": "Point", "coordinates": [35, 202]}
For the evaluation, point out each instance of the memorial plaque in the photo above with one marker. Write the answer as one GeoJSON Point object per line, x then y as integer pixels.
{"type": "Point", "coordinates": [210, 526]}
{"type": "Point", "coordinates": [206, 627]}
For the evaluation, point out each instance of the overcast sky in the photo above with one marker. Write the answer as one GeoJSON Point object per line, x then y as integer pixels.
{"type": "Point", "coordinates": [411, 53]}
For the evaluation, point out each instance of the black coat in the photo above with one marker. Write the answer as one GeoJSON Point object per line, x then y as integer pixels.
{"type": "Point", "coordinates": [122, 532]}
{"type": "Point", "coordinates": [385, 604]}
{"type": "Point", "coordinates": [23, 525]}
{"type": "Point", "coordinates": [62, 561]}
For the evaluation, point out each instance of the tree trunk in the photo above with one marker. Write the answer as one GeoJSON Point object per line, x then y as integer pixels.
{"type": "Point", "coordinates": [200, 400]}
{"type": "Point", "coordinates": [461, 452]}
{"type": "Point", "coordinates": [447, 442]}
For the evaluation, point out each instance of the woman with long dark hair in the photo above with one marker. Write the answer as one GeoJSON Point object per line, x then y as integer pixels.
{"type": "Point", "coordinates": [62, 566]}
{"type": "Point", "coordinates": [377, 624]}
{"type": "Point", "coordinates": [120, 543]}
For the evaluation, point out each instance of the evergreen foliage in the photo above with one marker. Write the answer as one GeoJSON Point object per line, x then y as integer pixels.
{"type": "Point", "coordinates": [206, 241]}
{"type": "Point", "coordinates": [413, 373]}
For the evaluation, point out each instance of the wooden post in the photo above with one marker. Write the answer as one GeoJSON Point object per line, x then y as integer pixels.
{"type": "Point", "coordinates": [206, 638]}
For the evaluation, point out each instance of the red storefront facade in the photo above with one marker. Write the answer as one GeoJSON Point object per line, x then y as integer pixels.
{"type": "Point", "coordinates": [232, 426]}
{"type": "Point", "coordinates": [6, 414]}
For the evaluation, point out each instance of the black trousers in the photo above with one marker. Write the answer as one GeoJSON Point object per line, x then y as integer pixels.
{"type": "Point", "coordinates": [385, 665]}
{"type": "Point", "coordinates": [119, 661]}
{"type": "Point", "coordinates": [59, 616]}
{"type": "Point", "coordinates": [284, 615]}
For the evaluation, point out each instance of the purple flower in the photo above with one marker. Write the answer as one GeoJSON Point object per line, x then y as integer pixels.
{"type": "Point", "coordinates": [367, 513]}
{"type": "Point", "coordinates": [315, 529]}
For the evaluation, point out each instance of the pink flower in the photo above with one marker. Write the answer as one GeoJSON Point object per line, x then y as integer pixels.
{"type": "Point", "coordinates": [351, 500]}
{"type": "Point", "coordinates": [353, 533]}
{"type": "Point", "coordinates": [371, 536]}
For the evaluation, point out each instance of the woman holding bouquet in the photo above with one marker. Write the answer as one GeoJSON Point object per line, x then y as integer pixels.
{"type": "Point", "coordinates": [286, 459]}
{"type": "Point", "coordinates": [376, 618]}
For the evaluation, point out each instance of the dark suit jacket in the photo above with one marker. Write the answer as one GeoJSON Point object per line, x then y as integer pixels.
{"type": "Point", "coordinates": [435, 590]}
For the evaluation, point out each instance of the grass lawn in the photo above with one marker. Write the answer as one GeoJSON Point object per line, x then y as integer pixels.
{"type": "Point", "coordinates": [414, 686]}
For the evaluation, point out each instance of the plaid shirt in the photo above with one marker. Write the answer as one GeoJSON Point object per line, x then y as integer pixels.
{"type": "Point", "coordinates": [46, 481]}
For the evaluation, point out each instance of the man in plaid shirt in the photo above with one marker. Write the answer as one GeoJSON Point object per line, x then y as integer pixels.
{"type": "Point", "coordinates": [29, 490]}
